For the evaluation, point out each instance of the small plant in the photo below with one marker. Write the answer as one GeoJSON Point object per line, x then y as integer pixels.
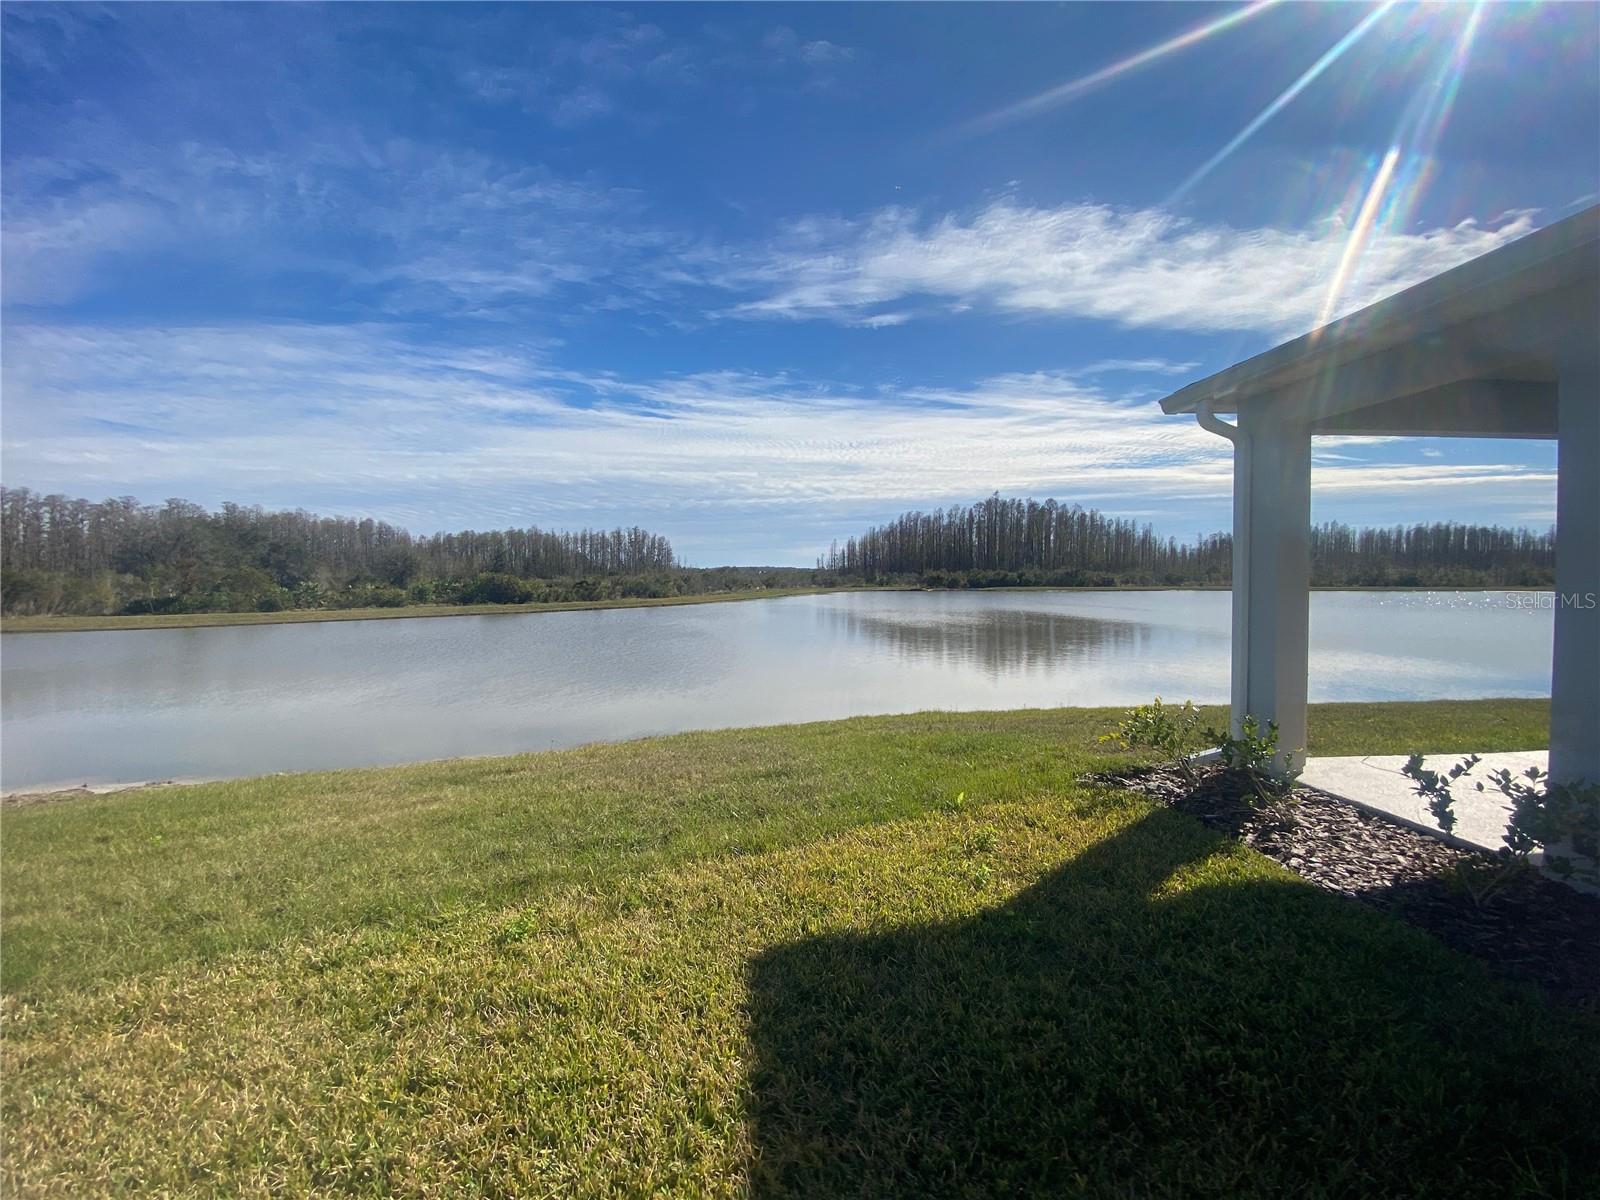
{"type": "Point", "coordinates": [1435, 788]}
{"type": "Point", "coordinates": [1561, 819]}
{"type": "Point", "coordinates": [1256, 754]}
{"type": "Point", "coordinates": [1176, 733]}
{"type": "Point", "coordinates": [1173, 733]}
{"type": "Point", "coordinates": [977, 875]}
{"type": "Point", "coordinates": [519, 928]}
{"type": "Point", "coordinates": [983, 840]}
{"type": "Point", "coordinates": [953, 804]}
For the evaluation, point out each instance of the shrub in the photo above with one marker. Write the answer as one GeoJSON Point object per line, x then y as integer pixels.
{"type": "Point", "coordinates": [1173, 733]}
{"type": "Point", "coordinates": [153, 604]}
{"type": "Point", "coordinates": [370, 595]}
{"type": "Point", "coordinates": [1561, 819]}
{"type": "Point", "coordinates": [1257, 756]}
{"type": "Point", "coordinates": [495, 587]}
{"type": "Point", "coordinates": [307, 594]}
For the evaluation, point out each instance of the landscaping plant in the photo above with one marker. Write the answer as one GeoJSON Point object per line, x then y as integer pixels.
{"type": "Point", "coordinates": [1173, 733]}
{"type": "Point", "coordinates": [1561, 819]}
{"type": "Point", "coordinates": [1255, 755]}
{"type": "Point", "coordinates": [1176, 734]}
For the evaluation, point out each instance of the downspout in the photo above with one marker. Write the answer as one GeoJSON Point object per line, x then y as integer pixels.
{"type": "Point", "coordinates": [1241, 555]}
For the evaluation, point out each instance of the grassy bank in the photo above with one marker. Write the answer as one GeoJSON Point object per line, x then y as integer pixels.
{"type": "Point", "coordinates": [298, 616]}
{"type": "Point", "coordinates": [884, 956]}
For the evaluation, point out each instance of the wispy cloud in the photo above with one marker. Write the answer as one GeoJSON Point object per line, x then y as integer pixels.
{"type": "Point", "coordinates": [362, 418]}
{"type": "Point", "coordinates": [1138, 268]}
{"type": "Point", "coordinates": [622, 67]}
{"type": "Point", "coordinates": [884, 320]}
{"type": "Point", "coordinates": [1138, 366]}
{"type": "Point", "coordinates": [821, 63]}
{"type": "Point", "coordinates": [574, 80]}
{"type": "Point", "coordinates": [786, 44]}
{"type": "Point", "coordinates": [417, 228]}
{"type": "Point", "coordinates": [404, 227]}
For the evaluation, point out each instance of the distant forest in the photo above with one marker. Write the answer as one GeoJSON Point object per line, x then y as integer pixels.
{"type": "Point", "coordinates": [64, 556]}
{"type": "Point", "coordinates": [1021, 543]}
{"type": "Point", "coordinates": [119, 556]}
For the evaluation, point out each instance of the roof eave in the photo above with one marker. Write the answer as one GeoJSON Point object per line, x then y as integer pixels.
{"type": "Point", "coordinates": [1564, 240]}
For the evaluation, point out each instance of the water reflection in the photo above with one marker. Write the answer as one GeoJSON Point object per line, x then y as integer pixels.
{"type": "Point", "coordinates": [245, 700]}
{"type": "Point", "coordinates": [996, 641]}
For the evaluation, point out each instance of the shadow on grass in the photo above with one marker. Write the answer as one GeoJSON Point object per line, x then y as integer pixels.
{"type": "Point", "coordinates": [1091, 1037]}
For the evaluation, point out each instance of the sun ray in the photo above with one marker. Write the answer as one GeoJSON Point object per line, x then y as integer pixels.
{"type": "Point", "coordinates": [1360, 231]}
{"type": "Point", "coordinates": [1423, 123]}
{"type": "Point", "coordinates": [1284, 98]}
{"type": "Point", "coordinates": [1078, 87]}
{"type": "Point", "coordinates": [1403, 175]}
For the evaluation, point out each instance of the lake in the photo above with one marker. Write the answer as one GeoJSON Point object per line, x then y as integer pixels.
{"type": "Point", "coordinates": [246, 700]}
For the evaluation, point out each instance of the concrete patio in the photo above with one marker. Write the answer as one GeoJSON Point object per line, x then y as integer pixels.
{"type": "Point", "coordinates": [1375, 782]}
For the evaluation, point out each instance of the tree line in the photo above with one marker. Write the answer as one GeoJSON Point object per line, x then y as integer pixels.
{"type": "Point", "coordinates": [1015, 542]}
{"type": "Point", "coordinates": [75, 556]}
{"type": "Point", "coordinates": [64, 555]}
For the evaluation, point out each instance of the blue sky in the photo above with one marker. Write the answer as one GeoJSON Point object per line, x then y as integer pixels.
{"type": "Point", "coordinates": [751, 276]}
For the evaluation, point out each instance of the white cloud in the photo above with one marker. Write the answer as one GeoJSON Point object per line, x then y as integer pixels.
{"type": "Point", "coordinates": [405, 228]}
{"type": "Point", "coordinates": [884, 320]}
{"type": "Point", "coordinates": [788, 46]}
{"type": "Point", "coordinates": [575, 79]}
{"type": "Point", "coordinates": [1134, 267]}
{"type": "Point", "coordinates": [420, 229]}
{"type": "Point", "coordinates": [361, 419]}
{"type": "Point", "coordinates": [1138, 366]}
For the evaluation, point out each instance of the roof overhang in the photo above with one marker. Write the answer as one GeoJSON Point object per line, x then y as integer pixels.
{"type": "Point", "coordinates": [1471, 352]}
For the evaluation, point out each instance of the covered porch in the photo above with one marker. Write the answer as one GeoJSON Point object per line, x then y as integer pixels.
{"type": "Point", "coordinates": [1505, 346]}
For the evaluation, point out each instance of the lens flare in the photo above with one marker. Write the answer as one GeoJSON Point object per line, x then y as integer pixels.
{"type": "Point", "coordinates": [1286, 97]}
{"type": "Point", "coordinates": [1422, 125]}
{"type": "Point", "coordinates": [1360, 231]}
{"type": "Point", "coordinates": [1077, 87]}
{"type": "Point", "coordinates": [1406, 170]}
{"type": "Point", "coordinates": [1397, 182]}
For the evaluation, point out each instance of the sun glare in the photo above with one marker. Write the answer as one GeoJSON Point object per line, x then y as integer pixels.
{"type": "Point", "coordinates": [1087, 83]}
{"type": "Point", "coordinates": [1286, 97]}
{"type": "Point", "coordinates": [1360, 232]}
{"type": "Point", "coordinates": [1386, 191]}
{"type": "Point", "coordinates": [1403, 175]}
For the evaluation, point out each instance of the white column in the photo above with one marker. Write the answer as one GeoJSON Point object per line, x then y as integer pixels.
{"type": "Point", "coordinates": [1272, 583]}
{"type": "Point", "coordinates": [1239, 696]}
{"type": "Point", "coordinates": [1575, 665]}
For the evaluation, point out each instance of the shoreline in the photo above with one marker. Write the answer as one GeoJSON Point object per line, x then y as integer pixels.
{"type": "Point", "coordinates": [28, 797]}
{"type": "Point", "coordinates": [309, 616]}
{"type": "Point", "coordinates": [32, 795]}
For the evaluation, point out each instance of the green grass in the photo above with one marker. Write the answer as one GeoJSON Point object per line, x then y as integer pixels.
{"type": "Point", "coordinates": [889, 956]}
{"type": "Point", "coordinates": [296, 616]}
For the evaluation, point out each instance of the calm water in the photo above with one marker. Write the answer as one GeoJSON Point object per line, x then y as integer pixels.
{"type": "Point", "coordinates": [157, 704]}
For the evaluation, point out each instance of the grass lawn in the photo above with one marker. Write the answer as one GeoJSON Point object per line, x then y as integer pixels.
{"type": "Point", "coordinates": [887, 956]}
{"type": "Point", "coordinates": [296, 616]}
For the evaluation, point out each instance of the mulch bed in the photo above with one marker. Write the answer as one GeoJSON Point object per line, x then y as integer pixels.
{"type": "Point", "coordinates": [1534, 928]}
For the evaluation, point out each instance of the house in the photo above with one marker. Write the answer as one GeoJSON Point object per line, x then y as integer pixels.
{"type": "Point", "coordinates": [1504, 346]}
